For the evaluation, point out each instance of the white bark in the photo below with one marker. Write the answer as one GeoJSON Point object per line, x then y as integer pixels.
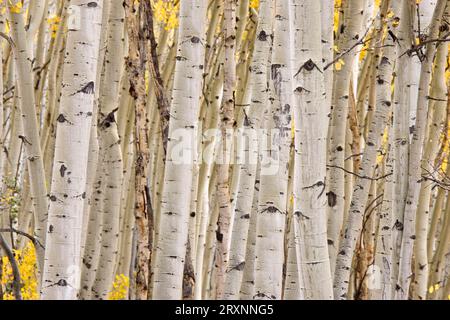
{"type": "Point", "coordinates": [349, 30]}
{"type": "Point", "coordinates": [62, 258]}
{"type": "Point", "coordinates": [311, 127]}
{"type": "Point", "coordinates": [353, 224]}
{"type": "Point", "coordinates": [402, 104]}
{"type": "Point", "coordinates": [437, 109]}
{"type": "Point", "coordinates": [269, 251]}
{"type": "Point", "coordinates": [247, 170]}
{"type": "Point", "coordinates": [171, 249]}
{"type": "Point", "coordinates": [111, 156]}
{"type": "Point", "coordinates": [414, 173]}
{"type": "Point", "coordinates": [30, 136]}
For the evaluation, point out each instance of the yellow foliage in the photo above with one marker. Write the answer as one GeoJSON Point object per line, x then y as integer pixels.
{"type": "Point", "coordinates": [447, 70]}
{"type": "Point", "coordinates": [254, 4]}
{"type": "Point", "coordinates": [338, 65]}
{"type": "Point", "coordinates": [434, 288]}
{"type": "Point", "coordinates": [15, 8]}
{"type": "Point", "coordinates": [53, 23]}
{"type": "Point", "coordinates": [26, 260]}
{"type": "Point", "coordinates": [167, 13]}
{"type": "Point", "coordinates": [337, 6]}
{"type": "Point", "coordinates": [120, 288]}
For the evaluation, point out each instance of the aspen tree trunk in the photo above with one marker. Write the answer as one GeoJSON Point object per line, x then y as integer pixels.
{"type": "Point", "coordinates": [30, 137]}
{"type": "Point", "coordinates": [171, 249]}
{"type": "Point", "coordinates": [311, 126]}
{"type": "Point", "coordinates": [436, 220]}
{"type": "Point", "coordinates": [92, 247]}
{"type": "Point", "coordinates": [62, 258]}
{"type": "Point", "coordinates": [36, 12]}
{"type": "Point", "coordinates": [422, 17]}
{"type": "Point", "coordinates": [414, 170]}
{"type": "Point", "coordinates": [438, 261]}
{"type": "Point", "coordinates": [437, 105]}
{"type": "Point", "coordinates": [127, 197]}
{"type": "Point", "coordinates": [327, 21]}
{"type": "Point", "coordinates": [247, 286]}
{"type": "Point", "coordinates": [293, 286]}
{"type": "Point", "coordinates": [110, 145]}
{"type": "Point", "coordinates": [53, 91]}
{"type": "Point", "coordinates": [383, 249]}
{"type": "Point", "coordinates": [136, 66]}
{"type": "Point", "coordinates": [241, 21]}
{"type": "Point", "coordinates": [226, 127]}
{"type": "Point", "coordinates": [210, 242]}
{"type": "Point", "coordinates": [400, 125]}
{"type": "Point", "coordinates": [272, 202]}
{"type": "Point", "coordinates": [349, 30]}
{"type": "Point", "coordinates": [206, 173]}
{"type": "Point", "coordinates": [353, 224]}
{"type": "Point", "coordinates": [92, 215]}
{"type": "Point", "coordinates": [247, 167]}
{"type": "Point", "coordinates": [126, 119]}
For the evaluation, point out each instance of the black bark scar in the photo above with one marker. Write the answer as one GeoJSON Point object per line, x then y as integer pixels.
{"type": "Point", "coordinates": [87, 89]}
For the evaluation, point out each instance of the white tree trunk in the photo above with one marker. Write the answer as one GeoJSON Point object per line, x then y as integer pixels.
{"type": "Point", "coordinates": [273, 197]}
{"type": "Point", "coordinates": [247, 169]}
{"type": "Point", "coordinates": [311, 127]}
{"type": "Point", "coordinates": [353, 224]}
{"type": "Point", "coordinates": [171, 249]}
{"type": "Point", "coordinates": [63, 257]}
{"type": "Point", "coordinates": [414, 173]}
{"type": "Point", "coordinates": [437, 109]}
{"type": "Point", "coordinates": [348, 30]}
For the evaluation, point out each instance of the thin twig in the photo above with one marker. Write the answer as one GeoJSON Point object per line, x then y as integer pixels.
{"type": "Point", "coordinates": [360, 176]}
{"type": "Point", "coordinates": [27, 235]}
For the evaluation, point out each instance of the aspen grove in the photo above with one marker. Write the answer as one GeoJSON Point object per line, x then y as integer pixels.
{"type": "Point", "coordinates": [225, 149]}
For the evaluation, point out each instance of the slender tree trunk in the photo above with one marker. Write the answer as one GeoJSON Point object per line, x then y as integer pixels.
{"type": "Point", "coordinates": [111, 156]}
{"type": "Point", "coordinates": [227, 124]}
{"type": "Point", "coordinates": [400, 125]}
{"type": "Point", "coordinates": [136, 66]}
{"type": "Point", "coordinates": [311, 127]}
{"type": "Point", "coordinates": [30, 137]}
{"type": "Point", "coordinates": [247, 166]}
{"type": "Point", "coordinates": [353, 224]}
{"type": "Point", "coordinates": [437, 105]}
{"type": "Point", "coordinates": [349, 29]}
{"type": "Point", "coordinates": [273, 198]}
{"type": "Point", "coordinates": [173, 226]}
{"type": "Point", "coordinates": [63, 249]}
{"type": "Point", "coordinates": [414, 171]}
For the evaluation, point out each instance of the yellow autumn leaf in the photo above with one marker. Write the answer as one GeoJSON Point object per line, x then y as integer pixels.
{"type": "Point", "coordinates": [15, 8]}
{"type": "Point", "coordinates": [254, 4]}
{"type": "Point", "coordinates": [338, 65]}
